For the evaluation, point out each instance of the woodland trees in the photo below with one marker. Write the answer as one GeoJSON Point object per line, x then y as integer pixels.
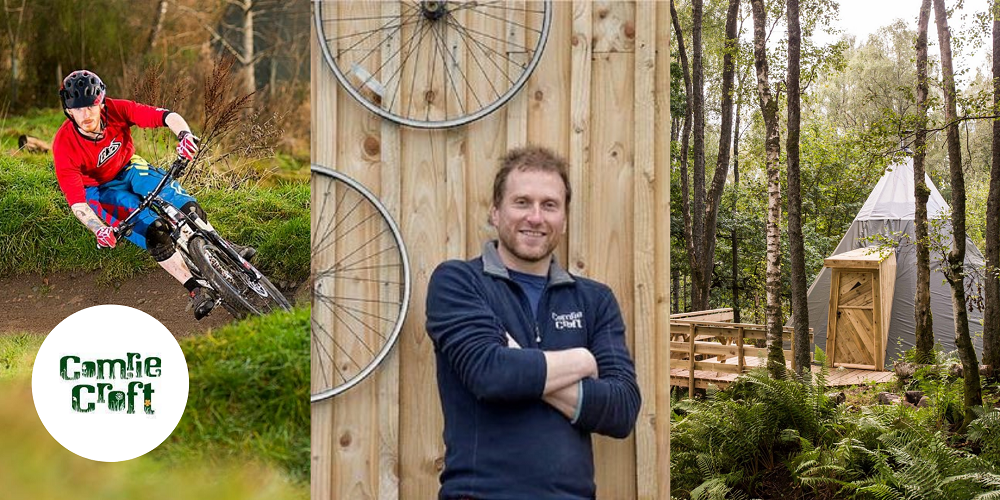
{"type": "Point", "coordinates": [861, 100]}
{"type": "Point", "coordinates": [42, 40]}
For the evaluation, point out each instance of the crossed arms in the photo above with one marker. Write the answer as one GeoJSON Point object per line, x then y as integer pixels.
{"type": "Point", "coordinates": [468, 334]}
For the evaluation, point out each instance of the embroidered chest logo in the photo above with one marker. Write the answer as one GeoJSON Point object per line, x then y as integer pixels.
{"type": "Point", "coordinates": [568, 320]}
{"type": "Point", "coordinates": [108, 152]}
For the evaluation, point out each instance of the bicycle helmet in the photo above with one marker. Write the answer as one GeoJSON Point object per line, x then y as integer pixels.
{"type": "Point", "coordinates": [81, 89]}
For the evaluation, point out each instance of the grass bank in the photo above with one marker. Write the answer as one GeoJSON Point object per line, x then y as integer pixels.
{"type": "Point", "coordinates": [249, 395]}
{"type": "Point", "coordinates": [39, 234]}
{"type": "Point", "coordinates": [33, 465]}
{"type": "Point", "coordinates": [248, 403]}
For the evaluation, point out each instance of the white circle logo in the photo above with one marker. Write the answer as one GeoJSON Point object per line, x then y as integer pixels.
{"type": "Point", "coordinates": [110, 383]}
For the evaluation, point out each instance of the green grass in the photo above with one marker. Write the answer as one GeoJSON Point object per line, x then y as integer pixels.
{"type": "Point", "coordinates": [17, 354]}
{"type": "Point", "coordinates": [248, 402]}
{"type": "Point", "coordinates": [39, 234]}
{"type": "Point", "coordinates": [39, 123]}
{"type": "Point", "coordinates": [33, 465]}
{"type": "Point", "coordinates": [249, 394]}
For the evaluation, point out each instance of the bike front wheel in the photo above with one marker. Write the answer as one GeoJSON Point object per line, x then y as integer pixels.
{"type": "Point", "coordinates": [241, 295]}
{"type": "Point", "coordinates": [361, 283]}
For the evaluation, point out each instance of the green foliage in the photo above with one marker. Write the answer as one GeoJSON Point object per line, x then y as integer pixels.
{"type": "Point", "coordinates": [33, 465]}
{"type": "Point", "coordinates": [742, 437]}
{"type": "Point", "coordinates": [765, 438]}
{"type": "Point", "coordinates": [39, 234]}
{"type": "Point", "coordinates": [17, 354]}
{"type": "Point", "coordinates": [248, 395]}
{"type": "Point", "coordinates": [985, 431]}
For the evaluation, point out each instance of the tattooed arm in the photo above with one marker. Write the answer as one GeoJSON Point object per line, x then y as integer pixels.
{"type": "Point", "coordinates": [87, 217]}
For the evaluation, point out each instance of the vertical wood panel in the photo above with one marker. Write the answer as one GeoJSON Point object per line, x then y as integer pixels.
{"type": "Point", "coordinates": [322, 96]}
{"type": "Point", "coordinates": [549, 103]}
{"type": "Point", "coordinates": [579, 141]}
{"type": "Point", "coordinates": [424, 203]}
{"type": "Point", "coordinates": [356, 439]}
{"type": "Point", "coordinates": [517, 108]}
{"type": "Point", "coordinates": [662, 257]}
{"type": "Point", "coordinates": [388, 374]}
{"type": "Point", "coordinates": [614, 27]}
{"type": "Point", "coordinates": [612, 211]}
{"type": "Point", "coordinates": [644, 246]}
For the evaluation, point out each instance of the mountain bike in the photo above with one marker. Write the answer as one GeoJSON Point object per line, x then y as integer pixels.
{"type": "Point", "coordinates": [218, 267]}
{"type": "Point", "coordinates": [361, 283]}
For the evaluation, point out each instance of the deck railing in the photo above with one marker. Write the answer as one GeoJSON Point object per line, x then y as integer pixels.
{"type": "Point", "coordinates": [707, 345]}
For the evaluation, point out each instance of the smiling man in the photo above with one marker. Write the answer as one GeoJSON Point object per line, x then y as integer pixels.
{"type": "Point", "coordinates": [530, 360]}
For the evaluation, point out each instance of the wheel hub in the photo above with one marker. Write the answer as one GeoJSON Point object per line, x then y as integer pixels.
{"type": "Point", "coordinates": [433, 11]}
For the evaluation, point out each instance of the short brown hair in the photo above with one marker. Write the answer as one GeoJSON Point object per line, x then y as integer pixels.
{"type": "Point", "coordinates": [530, 158]}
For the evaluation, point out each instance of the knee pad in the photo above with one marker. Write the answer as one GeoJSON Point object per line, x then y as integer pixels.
{"type": "Point", "coordinates": [193, 207]}
{"type": "Point", "coordinates": [158, 242]}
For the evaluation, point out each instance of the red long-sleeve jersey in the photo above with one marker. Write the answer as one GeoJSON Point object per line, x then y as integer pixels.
{"type": "Point", "coordinates": [81, 162]}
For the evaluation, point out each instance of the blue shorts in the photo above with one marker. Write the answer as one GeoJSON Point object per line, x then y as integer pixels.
{"type": "Point", "coordinates": [114, 200]}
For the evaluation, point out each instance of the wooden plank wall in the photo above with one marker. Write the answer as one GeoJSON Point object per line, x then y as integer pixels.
{"type": "Point", "coordinates": [600, 98]}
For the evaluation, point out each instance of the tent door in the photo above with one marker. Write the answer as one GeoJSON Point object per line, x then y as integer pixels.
{"type": "Point", "coordinates": [852, 340]}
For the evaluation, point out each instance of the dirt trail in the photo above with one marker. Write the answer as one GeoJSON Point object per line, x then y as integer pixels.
{"type": "Point", "coordinates": [37, 303]}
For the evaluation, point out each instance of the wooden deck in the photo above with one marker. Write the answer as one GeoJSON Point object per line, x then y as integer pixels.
{"type": "Point", "coordinates": [838, 377]}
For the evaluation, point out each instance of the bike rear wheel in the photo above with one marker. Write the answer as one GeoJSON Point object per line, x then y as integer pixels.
{"type": "Point", "coordinates": [241, 295]}
{"type": "Point", "coordinates": [361, 283]}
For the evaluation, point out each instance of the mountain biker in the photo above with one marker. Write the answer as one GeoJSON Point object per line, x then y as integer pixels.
{"type": "Point", "coordinates": [104, 180]}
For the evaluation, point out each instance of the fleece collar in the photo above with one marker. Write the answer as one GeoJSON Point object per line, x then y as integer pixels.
{"type": "Point", "coordinates": [492, 265]}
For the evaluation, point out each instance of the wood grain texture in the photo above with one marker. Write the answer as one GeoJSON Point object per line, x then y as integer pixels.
{"type": "Point", "coordinates": [424, 188]}
{"type": "Point", "coordinates": [390, 194]}
{"type": "Point", "coordinates": [549, 103]}
{"type": "Point", "coordinates": [644, 246]}
{"type": "Point", "coordinates": [612, 161]}
{"type": "Point", "coordinates": [382, 439]}
{"type": "Point", "coordinates": [614, 26]}
{"type": "Point", "coordinates": [662, 256]}
{"type": "Point", "coordinates": [321, 415]}
{"type": "Point", "coordinates": [580, 132]}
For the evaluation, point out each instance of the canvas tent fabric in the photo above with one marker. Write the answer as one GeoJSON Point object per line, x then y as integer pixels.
{"type": "Point", "coordinates": [889, 211]}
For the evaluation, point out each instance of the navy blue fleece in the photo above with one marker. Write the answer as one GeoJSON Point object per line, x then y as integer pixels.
{"type": "Point", "coordinates": [502, 440]}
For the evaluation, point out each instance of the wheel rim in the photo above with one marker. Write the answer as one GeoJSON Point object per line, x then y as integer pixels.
{"type": "Point", "coordinates": [432, 64]}
{"type": "Point", "coordinates": [256, 302]}
{"type": "Point", "coordinates": [361, 283]}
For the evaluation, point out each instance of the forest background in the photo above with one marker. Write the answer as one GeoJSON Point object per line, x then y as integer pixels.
{"type": "Point", "coordinates": [179, 40]}
{"type": "Point", "coordinates": [858, 106]}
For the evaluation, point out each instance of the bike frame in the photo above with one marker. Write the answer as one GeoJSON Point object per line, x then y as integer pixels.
{"type": "Point", "coordinates": [180, 221]}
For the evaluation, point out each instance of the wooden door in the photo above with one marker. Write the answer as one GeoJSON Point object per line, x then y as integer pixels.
{"type": "Point", "coordinates": [855, 319]}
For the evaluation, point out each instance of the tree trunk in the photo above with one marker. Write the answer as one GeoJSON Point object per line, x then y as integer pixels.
{"type": "Point", "coordinates": [922, 309]}
{"type": "Point", "coordinates": [714, 196]}
{"type": "Point", "coordinates": [249, 59]}
{"type": "Point", "coordinates": [991, 328]}
{"type": "Point", "coordinates": [161, 11]}
{"type": "Point", "coordinates": [685, 136]}
{"type": "Point", "coordinates": [14, 36]}
{"type": "Point", "coordinates": [955, 273]}
{"type": "Point", "coordinates": [675, 290]}
{"type": "Point", "coordinates": [736, 185]}
{"type": "Point", "coordinates": [772, 146]}
{"type": "Point", "coordinates": [800, 306]}
{"type": "Point", "coordinates": [699, 289]}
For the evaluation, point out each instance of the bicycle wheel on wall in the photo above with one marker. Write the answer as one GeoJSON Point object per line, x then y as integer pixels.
{"type": "Point", "coordinates": [361, 283]}
{"type": "Point", "coordinates": [432, 64]}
